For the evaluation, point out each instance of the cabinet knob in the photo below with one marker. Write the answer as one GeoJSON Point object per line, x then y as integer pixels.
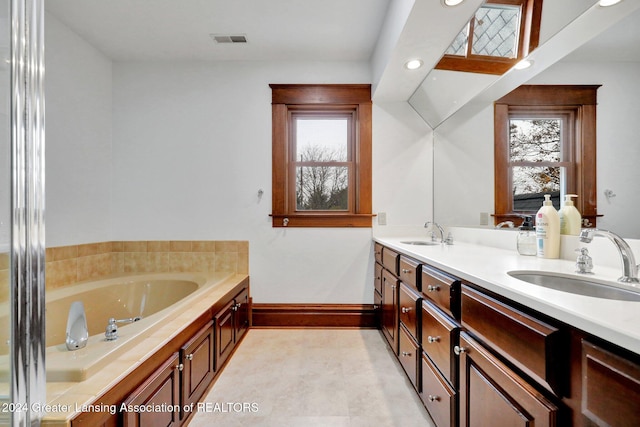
{"type": "Point", "coordinates": [405, 309]}
{"type": "Point", "coordinates": [459, 350]}
{"type": "Point", "coordinates": [433, 339]}
{"type": "Point", "coordinates": [180, 367]}
{"type": "Point", "coordinates": [376, 306]}
{"type": "Point", "coordinates": [189, 356]}
{"type": "Point", "coordinates": [406, 353]}
{"type": "Point", "coordinates": [405, 271]}
{"type": "Point", "coordinates": [433, 288]}
{"type": "Point", "coordinates": [393, 286]}
{"type": "Point", "coordinates": [433, 398]}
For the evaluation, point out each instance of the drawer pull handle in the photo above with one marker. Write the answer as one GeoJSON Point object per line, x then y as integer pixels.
{"type": "Point", "coordinates": [459, 350]}
{"type": "Point", "coordinates": [433, 339]}
{"type": "Point", "coordinates": [405, 271]}
{"type": "Point", "coordinates": [406, 309]}
{"type": "Point", "coordinates": [406, 353]}
{"type": "Point", "coordinates": [189, 356]}
{"type": "Point", "coordinates": [433, 398]}
{"type": "Point", "coordinates": [180, 367]}
{"type": "Point", "coordinates": [433, 288]}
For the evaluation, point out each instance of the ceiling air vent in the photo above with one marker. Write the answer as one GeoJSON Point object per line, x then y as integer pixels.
{"type": "Point", "coordinates": [225, 38]}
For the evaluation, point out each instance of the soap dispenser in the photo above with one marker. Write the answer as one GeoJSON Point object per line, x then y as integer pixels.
{"type": "Point", "coordinates": [527, 238]}
{"type": "Point", "coordinates": [548, 230]}
{"type": "Point", "coordinates": [570, 218]}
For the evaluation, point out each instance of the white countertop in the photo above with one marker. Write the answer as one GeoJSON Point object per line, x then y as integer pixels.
{"type": "Point", "coordinates": [612, 320]}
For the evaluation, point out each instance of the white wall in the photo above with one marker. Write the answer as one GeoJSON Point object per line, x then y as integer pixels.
{"type": "Point", "coordinates": [78, 139]}
{"type": "Point", "coordinates": [464, 154]}
{"type": "Point", "coordinates": [192, 148]}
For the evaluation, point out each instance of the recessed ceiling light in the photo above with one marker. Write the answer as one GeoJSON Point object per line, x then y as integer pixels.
{"type": "Point", "coordinates": [605, 3]}
{"type": "Point", "coordinates": [525, 63]}
{"type": "Point", "coordinates": [413, 64]}
{"type": "Point", "coordinates": [451, 3]}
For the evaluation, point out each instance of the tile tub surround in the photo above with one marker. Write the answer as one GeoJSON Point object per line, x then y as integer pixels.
{"type": "Point", "coordinates": [319, 377]}
{"type": "Point", "coordinates": [67, 265]}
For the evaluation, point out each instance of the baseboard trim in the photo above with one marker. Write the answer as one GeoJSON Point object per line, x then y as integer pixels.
{"type": "Point", "coordinates": [314, 316]}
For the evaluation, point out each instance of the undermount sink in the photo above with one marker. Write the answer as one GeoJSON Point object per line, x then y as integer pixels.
{"type": "Point", "coordinates": [575, 285]}
{"type": "Point", "coordinates": [420, 243]}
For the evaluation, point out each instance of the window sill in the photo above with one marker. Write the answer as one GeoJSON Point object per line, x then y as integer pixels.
{"type": "Point", "coordinates": [338, 220]}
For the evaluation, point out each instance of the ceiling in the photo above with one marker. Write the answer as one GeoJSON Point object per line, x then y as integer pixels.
{"type": "Point", "coordinates": [143, 30]}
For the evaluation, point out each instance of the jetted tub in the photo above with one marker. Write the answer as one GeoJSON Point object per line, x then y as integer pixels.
{"type": "Point", "coordinates": [154, 297]}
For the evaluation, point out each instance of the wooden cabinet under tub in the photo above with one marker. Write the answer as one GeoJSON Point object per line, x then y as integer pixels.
{"type": "Point", "coordinates": [179, 373]}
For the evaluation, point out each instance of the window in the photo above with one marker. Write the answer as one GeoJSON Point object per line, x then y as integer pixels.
{"type": "Point", "coordinates": [321, 155]}
{"type": "Point", "coordinates": [501, 33]}
{"type": "Point", "coordinates": [545, 143]}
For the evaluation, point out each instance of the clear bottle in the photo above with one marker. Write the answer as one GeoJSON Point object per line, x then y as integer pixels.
{"type": "Point", "coordinates": [527, 238]}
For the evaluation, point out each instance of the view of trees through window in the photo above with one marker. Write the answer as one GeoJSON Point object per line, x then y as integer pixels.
{"type": "Point", "coordinates": [322, 164]}
{"type": "Point", "coordinates": [535, 151]}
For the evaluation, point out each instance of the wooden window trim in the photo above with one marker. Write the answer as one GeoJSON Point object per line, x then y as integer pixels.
{"type": "Point", "coordinates": [529, 38]}
{"type": "Point", "coordinates": [580, 98]}
{"type": "Point", "coordinates": [292, 98]}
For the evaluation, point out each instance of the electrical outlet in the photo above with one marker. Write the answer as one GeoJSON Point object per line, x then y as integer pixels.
{"type": "Point", "coordinates": [484, 218]}
{"type": "Point", "coordinates": [382, 218]}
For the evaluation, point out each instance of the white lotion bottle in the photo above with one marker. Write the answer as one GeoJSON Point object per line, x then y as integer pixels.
{"type": "Point", "coordinates": [570, 218]}
{"type": "Point", "coordinates": [548, 230]}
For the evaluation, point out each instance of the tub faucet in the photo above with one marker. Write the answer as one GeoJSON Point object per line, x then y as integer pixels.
{"type": "Point", "coordinates": [629, 267]}
{"type": "Point", "coordinates": [111, 332]}
{"type": "Point", "coordinates": [428, 223]}
{"type": "Point", "coordinates": [77, 331]}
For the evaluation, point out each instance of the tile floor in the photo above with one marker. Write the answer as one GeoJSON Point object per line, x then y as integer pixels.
{"type": "Point", "coordinates": [307, 378]}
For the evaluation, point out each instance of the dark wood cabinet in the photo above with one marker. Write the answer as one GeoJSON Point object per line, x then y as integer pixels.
{"type": "Point", "coordinates": [409, 305]}
{"type": "Point", "coordinates": [439, 336]}
{"type": "Point", "coordinates": [231, 322]}
{"type": "Point", "coordinates": [438, 396]}
{"type": "Point", "coordinates": [409, 356]}
{"type": "Point", "coordinates": [610, 388]}
{"type": "Point", "coordinates": [162, 388]}
{"type": "Point", "coordinates": [491, 394]}
{"type": "Point", "coordinates": [390, 319]}
{"type": "Point", "coordinates": [198, 356]}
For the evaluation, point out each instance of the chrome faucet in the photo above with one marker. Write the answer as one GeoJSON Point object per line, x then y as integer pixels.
{"type": "Point", "coordinates": [629, 267]}
{"type": "Point", "coordinates": [428, 223]}
{"type": "Point", "coordinates": [111, 332]}
{"type": "Point", "coordinates": [77, 331]}
{"type": "Point", "coordinates": [509, 224]}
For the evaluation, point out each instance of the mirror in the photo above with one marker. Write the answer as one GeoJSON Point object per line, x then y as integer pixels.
{"type": "Point", "coordinates": [598, 47]}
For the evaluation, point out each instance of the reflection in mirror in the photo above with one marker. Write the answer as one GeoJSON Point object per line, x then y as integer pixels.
{"type": "Point", "coordinates": [443, 92]}
{"type": "Point", "coordinates": [5, 194]}
{"type": "Point", "coordinates": [463, 147]}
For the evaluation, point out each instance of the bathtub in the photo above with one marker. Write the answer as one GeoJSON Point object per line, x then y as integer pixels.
{"type": "Point", "coordinates": [154, 297]}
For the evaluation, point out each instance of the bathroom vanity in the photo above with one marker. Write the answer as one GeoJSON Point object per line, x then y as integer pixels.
{"type": "Point", "coordinates": [483, 348]}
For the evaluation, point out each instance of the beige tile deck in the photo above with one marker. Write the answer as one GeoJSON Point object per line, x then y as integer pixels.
{"type": "Point", "coordinates": [306, 378]}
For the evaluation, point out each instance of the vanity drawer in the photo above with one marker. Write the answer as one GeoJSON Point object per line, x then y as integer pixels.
{"type": "Point", "coordinates": [529, 343]}
{"type": "Point", "coordinates": [438, 396]}
{"type": "Point", "coordinates": [442, 289]}
{"type": "Point", "coordinates": [377, 252]}
{"type": "Point", "coordinates": [410, 272]}
{"type": "Point", "coordinates": [409, 305]}
{"type": "Point", "coordinates": [390, 260]}
{"type": "Point", "coordinates": [409, 355]}
{"type": "Point", "coordinates": [439, 336]}
{"type": "Point", "coordinates": [377, 279]}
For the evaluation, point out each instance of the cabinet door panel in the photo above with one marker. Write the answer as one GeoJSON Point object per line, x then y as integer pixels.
{"type": "Point", "coordinates": [224, 333]}
{"type": "Point", "coordinates": [439, 335]}
{"type": "Point", "coordinates": [491, 394]}
{"type": "Point", "coordinates": [409, 355]}
{"type": "Point", "coordinates": [442, 289]}
{"type": "Point", "coordinates": [390, 260]}
{"type": "Point", "coordinates": [410, 272]}
{"type": "Point", "coordinates": [390, 309]}
{"type": "Point", "coordinates": [438, 396]}
{"type": "Point", "coordinates": [162, 388]}
{"type": "Point", "coordinates": [409, 302]}
{"type": "Point", "coordinates": [610, 388]}
{"type": "Point", "coordinates": [539, 349]}
{"type": "Point", "coordinates": [198, 358]}
{"type": "Point", "coordinates": [242, 314]}
{"type": "Point", "coordinates": [377, 278]}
